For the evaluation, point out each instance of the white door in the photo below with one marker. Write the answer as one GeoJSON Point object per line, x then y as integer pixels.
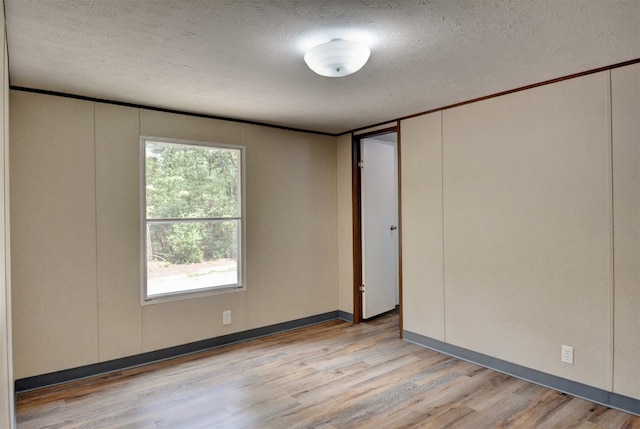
{"type": "Point", "coordinates": [379, 201]}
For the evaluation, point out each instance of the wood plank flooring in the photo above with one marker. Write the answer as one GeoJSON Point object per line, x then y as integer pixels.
{"type": "Point", "coordinates": [332, 375]}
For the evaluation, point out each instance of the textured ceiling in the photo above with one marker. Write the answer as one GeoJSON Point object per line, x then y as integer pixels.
{"type": "Point", "coordinates": [244, 59]}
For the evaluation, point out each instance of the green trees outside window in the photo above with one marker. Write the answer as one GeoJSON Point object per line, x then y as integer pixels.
{"type": "Point", "coordinates": [193, 216]}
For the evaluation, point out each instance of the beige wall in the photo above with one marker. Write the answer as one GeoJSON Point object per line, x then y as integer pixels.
{"type": "Point", "coordinates": [527, 236]}
{"type": "Point", "coordinates": [117, 223]}
{"type": "Point", "coordinates": [422, 282]}
{"type": "Point", "coordinates": [53, 207]}
{"type": "Point", "coordinates": [528, 228]}
{"type": "Point", "coordinates": [75, 190]}
{"type": "Point", "coordinates": [625, 100]}
{"type": "Point", "coordinates": [345, 224]}
{"type": "Point", "coordinates": [7, 406]}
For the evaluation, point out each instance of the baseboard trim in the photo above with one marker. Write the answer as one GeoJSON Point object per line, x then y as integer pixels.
{"type": "Point", "coordinates": [574, 388]}
{"type": "Point", "coordinates": [58, 377]}
{"type": "Point", "coordinates": [343, 315]}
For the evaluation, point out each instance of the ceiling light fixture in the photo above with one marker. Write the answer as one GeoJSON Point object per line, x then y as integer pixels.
{"type": "Point", "coordinates": [337, 58]}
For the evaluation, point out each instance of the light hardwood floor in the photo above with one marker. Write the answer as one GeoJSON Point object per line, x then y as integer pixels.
{"type": "Point", "coordinates": [330, 375]}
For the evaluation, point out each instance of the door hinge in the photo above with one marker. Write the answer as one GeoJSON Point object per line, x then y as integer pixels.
{"type": "Point", "coordinates": [361, 164]}
{"type": "Point", "coordinates": [361, 288]}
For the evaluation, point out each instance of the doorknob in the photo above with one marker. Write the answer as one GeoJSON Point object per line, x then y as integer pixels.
{"type": "Point", "coordinates": [394, 227]}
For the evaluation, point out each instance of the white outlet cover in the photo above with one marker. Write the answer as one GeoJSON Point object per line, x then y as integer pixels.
{"type": "Point", "coordinates": [567, 354]}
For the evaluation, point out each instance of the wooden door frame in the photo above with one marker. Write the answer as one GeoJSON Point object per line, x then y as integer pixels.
{"type": "Point", "coordinates": [356, 197]}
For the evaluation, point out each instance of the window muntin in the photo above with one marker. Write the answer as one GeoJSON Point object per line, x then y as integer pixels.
{"type": "Point", "coordinates": [192, 218]}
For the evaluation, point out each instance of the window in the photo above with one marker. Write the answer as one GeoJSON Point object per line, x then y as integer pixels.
{"type": "Point", "coordinates": [193, 218]}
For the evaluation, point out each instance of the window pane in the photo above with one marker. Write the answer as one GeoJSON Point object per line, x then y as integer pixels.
{"type": "Point", "coordinates": [187, 181]}
{"type": "Point", "coordinates": [183, 256]}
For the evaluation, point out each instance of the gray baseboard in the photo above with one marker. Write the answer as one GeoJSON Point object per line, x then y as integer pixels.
{"type": "Point", "coordinates": [71, 374]}
{"type": "Point", "coordinates": [343, 315]}
{"type": "Point", "coordinates": [584, 391]}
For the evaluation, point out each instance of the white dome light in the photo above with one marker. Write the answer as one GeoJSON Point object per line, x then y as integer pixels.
{"type": "Point", "coordinates": [337, 58]}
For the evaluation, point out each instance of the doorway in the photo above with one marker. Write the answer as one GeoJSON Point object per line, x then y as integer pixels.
{"type": "Point", "coordinates": [377, 279]}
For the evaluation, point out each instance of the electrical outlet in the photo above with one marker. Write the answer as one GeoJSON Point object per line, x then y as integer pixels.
{"type": "Point", "coordinates": [226, 317]}
{"type": "Point", "coordinates": [567, 354]}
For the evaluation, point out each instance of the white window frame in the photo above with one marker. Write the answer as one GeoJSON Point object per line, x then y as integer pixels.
{"type": "Point", "coordinates": [241, 263]}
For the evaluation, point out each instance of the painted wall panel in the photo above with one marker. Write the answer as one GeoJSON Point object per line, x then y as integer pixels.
{"type": "Point", "coordinates": [625, 89]}
{"type": "Point", "coordinates": [118, 230]}
{"type": "Point", "coordinates": [173, 323]}
{"type": "Point", "coordinates": [292, 225]}
{"type": "Point", "coordinates": [421, 228]}
{"type": "Point", "coordinates": [171, 125]}
{"type": "Point", "coordinates": [7, 403]}
{"type": "Point", "coordinates": [527, 227]}
{"type": "Point", "coordinates": [345, 224]}
{"type": "Point", "coordinates": [55, 312]}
